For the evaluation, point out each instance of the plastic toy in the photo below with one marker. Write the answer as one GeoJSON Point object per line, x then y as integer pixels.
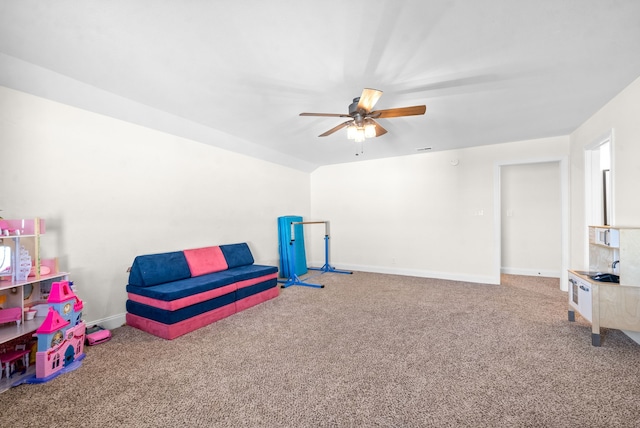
{"type": "Point", "coordinates": [11, 314]}
{"type": "Point", "coordinates": [9, 359]}
{"type": "Point", "coordinates": [60, 337]}
{"type": "Point", "coordinates": [96, 335]}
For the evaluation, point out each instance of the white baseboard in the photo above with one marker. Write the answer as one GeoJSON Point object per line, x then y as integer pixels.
{"type": "Point", "coordinates": [633, 335]}
{"type": "Point", "coordinates": [530, 272]}
{"type": "Point", "coordinates": [109, 323]}
{"type": "Point", "coordinates": [452, 276]}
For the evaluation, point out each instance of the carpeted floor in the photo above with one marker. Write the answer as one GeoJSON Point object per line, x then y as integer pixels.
{"type": "Point", "coordinates": [368, 350]}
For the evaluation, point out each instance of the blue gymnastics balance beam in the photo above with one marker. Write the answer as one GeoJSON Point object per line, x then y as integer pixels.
{"type": "Point", "coordinates": [293, 278]}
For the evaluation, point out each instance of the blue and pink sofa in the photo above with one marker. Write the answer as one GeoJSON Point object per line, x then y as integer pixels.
{"type": "Point", "coordinates": [171, 294]}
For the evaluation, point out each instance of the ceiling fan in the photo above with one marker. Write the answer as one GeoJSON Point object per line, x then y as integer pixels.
{"type": "Point", "coordinates": [361, 124]}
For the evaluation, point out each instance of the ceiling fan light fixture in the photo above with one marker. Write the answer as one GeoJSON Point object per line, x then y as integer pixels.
{"type": "Point", "coordinates": [370, 130]}
{"type": "Point", "coordinates": [360, 135]}
{"type": "Point", "coordinates": [352, 130]}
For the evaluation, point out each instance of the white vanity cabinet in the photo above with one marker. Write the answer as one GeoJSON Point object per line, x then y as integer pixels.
{"type": "Point", "coordinates": [580, 296]}
{"type": "Point", "coordinates": [612, 250]}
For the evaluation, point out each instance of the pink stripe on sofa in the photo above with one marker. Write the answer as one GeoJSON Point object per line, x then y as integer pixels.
{"type": "Point", "coordinates": [257, 298]}
{"type": "Point", "coordinates": [171, 331]}
{"type": "Point", "coordinates": [205, 260]}
{"type": "Point", "coordinates": [253, 281]}
{"type": "Point", "coordinates": [173, 305]}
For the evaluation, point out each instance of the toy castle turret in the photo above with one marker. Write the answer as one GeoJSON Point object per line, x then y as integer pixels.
{"type": "Point", "coordinates": [61, 335]}
{"type": "Point", "coordinates": [65, 302]}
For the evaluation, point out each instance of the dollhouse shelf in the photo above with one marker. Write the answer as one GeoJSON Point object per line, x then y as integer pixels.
{"type": "Point", "coordinates": [10, 331]}
{"type": "Point", "coordinates": [14, 331]}
{"type": "Point", "coordinates": [25, 293]}
{"type": "Point", "coordinates": [4, 285]}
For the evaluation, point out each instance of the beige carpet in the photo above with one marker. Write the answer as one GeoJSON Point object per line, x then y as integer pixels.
{"type": "Point", "coordinates": [369, 350]}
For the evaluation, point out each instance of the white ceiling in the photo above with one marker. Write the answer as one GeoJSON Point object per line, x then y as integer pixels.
{"type": "Point", "coordinates": [236, 73]}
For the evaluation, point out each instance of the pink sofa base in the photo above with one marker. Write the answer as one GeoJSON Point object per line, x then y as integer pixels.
{"type": "Point", "coordinates": [171, 331]}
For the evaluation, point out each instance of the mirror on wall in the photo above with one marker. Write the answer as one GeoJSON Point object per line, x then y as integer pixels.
{"type": "Point", "coordinates": [599, 183]}
{"type": "Point", "coordinates": [606, 197]}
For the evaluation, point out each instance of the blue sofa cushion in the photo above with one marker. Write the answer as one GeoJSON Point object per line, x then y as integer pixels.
{"type": "Point", "coordinates": [237, 255]}
{"type": "Point", "coordinates": [241, 293]}
{"type": "Point", "coordinates": [172, 317]}
{"type": "Point", "coordinates": [184, 287]}
{"type": "Point", "coordinates": [242, 273]}
{"type": "Point", "coordinates": [154, 269]}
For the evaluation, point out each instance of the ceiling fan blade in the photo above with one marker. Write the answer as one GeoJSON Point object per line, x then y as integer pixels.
{"type": "Point", "coordinates": [336, 128]}
{"type": "Point", "coordinates": [379, 129]}
{"type": "Point", "coordinates": [398, 112]}
{"type": "Point", "coordinates": [325, 114]}
{"type": "Point", "coordinates": [368, 99]}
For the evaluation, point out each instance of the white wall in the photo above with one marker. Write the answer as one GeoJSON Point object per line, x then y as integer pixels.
{"type": "Point", "coordinates": [531, 219]}
{"type": "Point", "coordinates": [419, 215]}
{"type": "Point", "coordinates": [621, 115]}
{"type": "Point", "coordinates": [110, 190]}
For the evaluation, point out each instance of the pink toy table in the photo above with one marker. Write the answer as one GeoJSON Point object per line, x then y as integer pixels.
{"type": "Point", "coordinates": [9, 358]}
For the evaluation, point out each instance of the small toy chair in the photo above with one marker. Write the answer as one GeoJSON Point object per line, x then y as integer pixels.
{"type": "Point", "coordinates": [9, 359]}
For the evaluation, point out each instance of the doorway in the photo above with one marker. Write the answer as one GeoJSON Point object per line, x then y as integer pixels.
{"type": "Point", "coordinates": [531, 219]}
{"type": "Point", "coordinates": [553, 219]}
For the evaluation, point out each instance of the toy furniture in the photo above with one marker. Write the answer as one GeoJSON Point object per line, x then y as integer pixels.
{"type": "Point", "coordinates": [608, 298]}
{"type": "Point", "coordinates": [8, 359]}
{"type": "Point", "coordinates": [96, 335]}
{"type": "Point", "coordinates": [171, 294]}
{"type": "Point", "coordinates": [11, 314]}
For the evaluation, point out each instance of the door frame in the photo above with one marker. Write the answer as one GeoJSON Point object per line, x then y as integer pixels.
{"type": "Point", "coordinates": [563, 163]}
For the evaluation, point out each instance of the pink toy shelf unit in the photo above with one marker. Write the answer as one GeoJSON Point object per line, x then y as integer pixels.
{"type": "Point", "coordinates": [61, 336]}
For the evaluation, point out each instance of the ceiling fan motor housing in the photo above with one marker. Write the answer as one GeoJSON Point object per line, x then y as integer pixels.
{"type": "Point", "coordinates": [358, 115]}
{"type": "Point", "coordinates": [353, 107]}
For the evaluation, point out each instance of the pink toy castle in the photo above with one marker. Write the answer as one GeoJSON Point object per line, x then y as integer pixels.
{"type": "Point", "coordinates": [61, 335]}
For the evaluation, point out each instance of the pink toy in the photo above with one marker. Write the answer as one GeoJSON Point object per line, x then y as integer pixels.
{"type": "Point", "coordinates": [8, 359]}
{"type": "Point", "coordinates": [10, 314]}
{"type": "Point", "coordinates": [5, 228]}
{"type": "Point", "coordinates": [22, 227]}
{"type": "Point", "coordinates": [61, 335]}
{"type": "Point", "coordinates": [97, 335]}
{"type": "Point", "coordinates": [44, 270]}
